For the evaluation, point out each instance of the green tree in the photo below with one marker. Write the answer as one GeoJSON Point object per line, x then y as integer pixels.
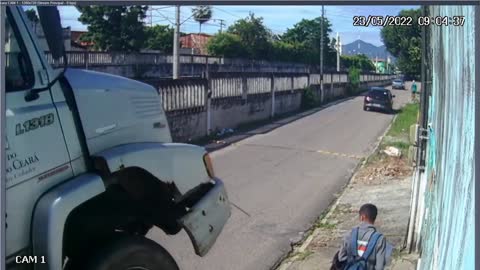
{"type": "Point", "coordinates": [254, 35]}
{"type": "Point", "coordinates": [360, 61]}
{"type": "Point", "coordinates": [353, 80]}
{"type": "Point", "coordinates": [226, 45]}
{"type": "Point", "coordinates": [202, 14]}
{"type": "Point", "coordinates": [114, 28]}
{"type": "Point", "coordinates": [404, 43]}
{"type": "Point", "coordinates": [292, 52]}
{"type": "Point", "coordinates": [33, 17]}
{"type": "Point", "coordinates": [307, 32]}
{"type": "Point", "coordinates": [159, 37]}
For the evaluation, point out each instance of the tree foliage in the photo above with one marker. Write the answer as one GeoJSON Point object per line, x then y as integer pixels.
{"type": "Point", "coordinates": [227, 45]}
{"type": "Point", "coordinates": [250, 38]}
{"type": "Point", "coordinates": [114, 28]}
{"type": "Point", "coordinates": [307, 33]}
{"type": "Point", "coordinates": [353, 80]}
{"type": "Point", "coordinates": [254, 36]}
{"type": "Point", "coordinates": [404, 43]}
{"type": "Point", "coordinates": [202, 14]}
{"type": "Point", "coordinates": [33, 17]}
{"type": "Point", "coordinates": [159, 37]}
{"type": "Point", "coordinates": [360, 61]}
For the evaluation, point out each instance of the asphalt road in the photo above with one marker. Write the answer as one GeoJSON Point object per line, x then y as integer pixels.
{"type": "Point", "coordinates": [282, 180]}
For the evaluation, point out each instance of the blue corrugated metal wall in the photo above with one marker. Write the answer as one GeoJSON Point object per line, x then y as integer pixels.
{"type": "Point", "coordinates": [448, 236]}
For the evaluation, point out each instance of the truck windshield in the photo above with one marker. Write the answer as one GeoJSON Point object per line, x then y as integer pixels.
{"type": "Point", "coordinates": [18, 70]}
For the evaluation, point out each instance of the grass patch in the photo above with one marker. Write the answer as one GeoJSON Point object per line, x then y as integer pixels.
{"type": "Point", "coordinates": [303, 255]}
{"type": "Point", "coordinates": [376, 156]}
{"type": "Point", "coordinates": [397, 254]}
{"type": "Point", "coordinates": [403, 121]}
{"type": "Point", "coordinates": [398, 134]}
{"type": "Point", "coordinates": [326, 226]}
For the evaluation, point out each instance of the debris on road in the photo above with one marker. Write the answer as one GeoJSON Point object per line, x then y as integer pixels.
{"type": "Point", "coordinates": [392, 151]}
{"type": "Point", "coordinates": [224, 132]}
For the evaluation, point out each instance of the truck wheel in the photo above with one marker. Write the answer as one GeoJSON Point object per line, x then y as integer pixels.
{"type": "Point", "coordinates": [133, 253]}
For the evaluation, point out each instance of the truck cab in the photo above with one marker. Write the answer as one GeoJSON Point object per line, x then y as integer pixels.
{"type": "Point", "coordinates": [91, 166]}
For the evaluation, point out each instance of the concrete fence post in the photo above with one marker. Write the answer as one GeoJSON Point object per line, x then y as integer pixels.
{"type": "Point", "coordinates": [331, 83]}
{"type": "Point", "coordinates": [85, 59]}
{"type": "Point", "coordinates": [291, 83]}
{"type": "Point", "coordinates": [272, 93]}
{"type": "Point", "coordinates": [208, 95]}
{"type": "Point", "coordinates": [244, 88]}
{"type": "Point", "coordinates": [192, 72]}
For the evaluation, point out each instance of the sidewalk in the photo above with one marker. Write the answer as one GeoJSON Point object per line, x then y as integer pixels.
{"type": "Point", "coordinates": [382, 180]}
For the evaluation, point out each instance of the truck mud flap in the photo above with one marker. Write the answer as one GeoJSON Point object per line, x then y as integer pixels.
{"type": "Point", "coordinates": [206, 218]}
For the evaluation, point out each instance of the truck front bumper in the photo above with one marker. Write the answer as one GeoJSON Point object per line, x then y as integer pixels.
{"type": "Point", "coordinates": [206, 219]}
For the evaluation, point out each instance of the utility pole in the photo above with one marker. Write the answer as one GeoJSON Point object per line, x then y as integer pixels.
{"type": "Point", "coordinates": [176, 44]}
{"type": "Point", "coordinates": [222, 24]}
{"type": "Point", "coordinates": [338, 47]}
{"type": "Point", "coordinates": [321, 52]}
{"type": "Point", "coordinates": [151, 16]}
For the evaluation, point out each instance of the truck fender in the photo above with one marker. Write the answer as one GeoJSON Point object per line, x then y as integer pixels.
{"type": "Point", "coordinates": [172, 163]}
{"type": "Point", "coordinates": [51, 213]}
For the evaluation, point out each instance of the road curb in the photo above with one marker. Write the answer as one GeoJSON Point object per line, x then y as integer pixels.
{"type": "Point", "coordinates": [287, 261]}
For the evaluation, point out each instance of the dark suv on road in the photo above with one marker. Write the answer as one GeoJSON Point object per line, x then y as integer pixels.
{"type": "Point", "coordinates": [378, 98]}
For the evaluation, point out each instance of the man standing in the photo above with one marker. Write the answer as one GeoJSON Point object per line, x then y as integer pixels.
{"type": "Point", "coordinates": [414, 91]}
{"type": "Point", "coordinates": [364, 247]}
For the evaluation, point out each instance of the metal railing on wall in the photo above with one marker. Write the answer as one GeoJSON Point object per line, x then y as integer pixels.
{"type": "Point", "coordinates": [93, 58]}
{"type": "Point", "coordinates": [191, 94]}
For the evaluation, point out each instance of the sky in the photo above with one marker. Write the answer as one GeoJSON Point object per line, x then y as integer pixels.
{"type": "Point", "coordinates": [277, 18]}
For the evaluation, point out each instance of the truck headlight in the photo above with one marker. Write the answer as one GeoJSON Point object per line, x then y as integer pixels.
{"type": "Point", "coordinates": [208, 165]}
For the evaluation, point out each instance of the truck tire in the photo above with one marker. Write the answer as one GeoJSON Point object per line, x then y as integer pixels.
{"type": "Point", "coordinates": [132, 253]}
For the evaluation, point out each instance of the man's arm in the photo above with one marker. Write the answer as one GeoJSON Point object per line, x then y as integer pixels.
{"type": "Point", "coordinates": [380, 253]}
{"type": "Point", "coordinates": [342, 253]}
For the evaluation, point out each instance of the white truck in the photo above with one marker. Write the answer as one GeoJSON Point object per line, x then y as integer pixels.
{"type": "Point", "coordinates": [91, 166]}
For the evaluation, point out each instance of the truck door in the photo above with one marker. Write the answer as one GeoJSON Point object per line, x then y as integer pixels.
{"type": "Point", "coordinates": [37, 156]}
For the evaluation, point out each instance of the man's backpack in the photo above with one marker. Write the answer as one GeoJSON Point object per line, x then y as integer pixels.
{"type": "Point", "coordinates": [356, 262]}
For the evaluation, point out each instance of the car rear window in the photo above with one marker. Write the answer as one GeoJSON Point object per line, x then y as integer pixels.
{"type": "Point", "coordinates": [378, 94]}
{"type": "Point", "coordinates": [399, 81]}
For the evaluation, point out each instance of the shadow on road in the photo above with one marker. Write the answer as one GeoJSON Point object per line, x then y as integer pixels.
{"type": "Point", "coordinates": [393, 112]}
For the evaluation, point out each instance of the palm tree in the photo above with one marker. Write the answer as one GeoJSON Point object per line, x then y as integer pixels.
{"type": "Point", "coordinates": [202, 14]}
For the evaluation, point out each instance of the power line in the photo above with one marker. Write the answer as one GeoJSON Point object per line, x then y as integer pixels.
{"type": "Point", "coordinates": [227, 12]}
{"type": "Point", "coordinates": [158, 8]}
{"type": "Point", "coordinates": [167, 18]}
{"type": "Point", "coordinates": [222, 24]}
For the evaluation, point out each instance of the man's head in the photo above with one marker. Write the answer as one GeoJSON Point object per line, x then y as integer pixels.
{"type": "Point", "coordinates": [413, 81]}
{"type": "Point", "coordinates": [368, 213]}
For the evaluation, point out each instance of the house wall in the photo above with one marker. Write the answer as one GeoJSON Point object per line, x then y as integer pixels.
{"type": "Point", "coordinates": [447, 234]}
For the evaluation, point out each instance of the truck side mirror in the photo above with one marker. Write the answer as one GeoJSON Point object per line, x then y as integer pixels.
{"type": "Point", "coordinates": [52, 28]}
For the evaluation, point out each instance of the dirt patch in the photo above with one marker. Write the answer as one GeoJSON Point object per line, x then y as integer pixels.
{"type": "Point", "coordinates": [385, 168]}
